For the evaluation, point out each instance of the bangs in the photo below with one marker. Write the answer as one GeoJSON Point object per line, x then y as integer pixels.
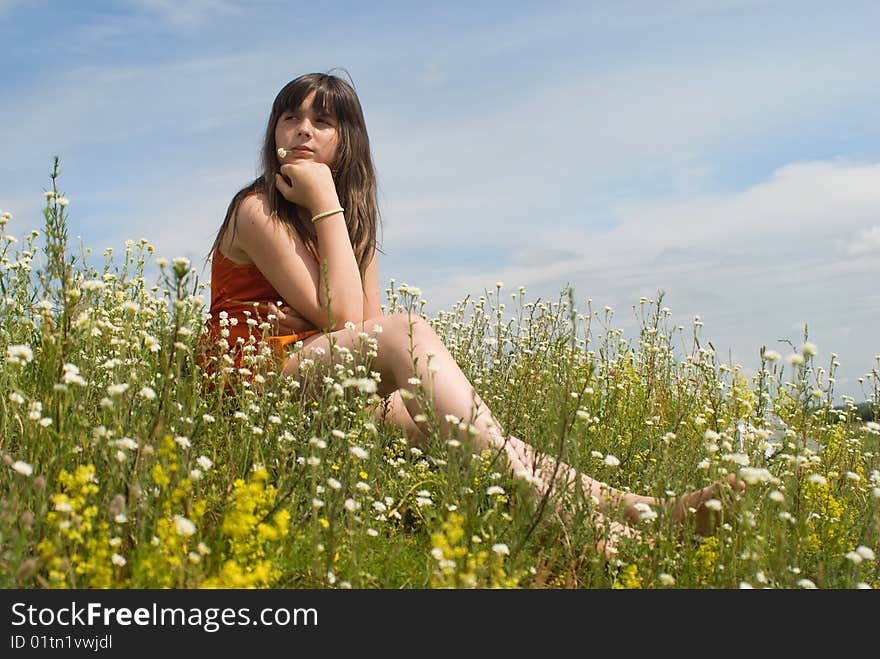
{"type": "Point", "coordinates": [329, 97]}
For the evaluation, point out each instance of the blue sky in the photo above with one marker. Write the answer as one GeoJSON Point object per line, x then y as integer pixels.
{"type": "Point", "coordinates": [726, 152]}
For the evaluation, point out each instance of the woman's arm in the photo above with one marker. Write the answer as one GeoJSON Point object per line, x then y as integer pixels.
{"type": "Point", "coordinates": [310, 185]}
{"type": "Point", "coordinates": [288, 320]}
{"type": "Point", "coordinates": [291, 269]}
{"type": "Point", "coordinates": [372, 306]}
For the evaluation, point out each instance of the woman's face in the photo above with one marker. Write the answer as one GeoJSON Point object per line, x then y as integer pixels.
{"type": "Point", "coordinates": [307, 134]}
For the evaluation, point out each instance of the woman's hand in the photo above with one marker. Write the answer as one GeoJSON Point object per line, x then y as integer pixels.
{"type": "Point", "coordinates": [287, 320]}
{"type": "Point", "coordinates": [308, 184]}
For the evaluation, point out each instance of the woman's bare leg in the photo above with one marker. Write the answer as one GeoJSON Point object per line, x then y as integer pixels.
{"type": "Point", "coordinates": [393, 410]}
{"type": "Point", "coordinates": [407, 348]}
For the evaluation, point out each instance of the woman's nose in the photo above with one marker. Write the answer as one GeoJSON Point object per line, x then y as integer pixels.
{"type": "Point", "coordinates": [304, 128]}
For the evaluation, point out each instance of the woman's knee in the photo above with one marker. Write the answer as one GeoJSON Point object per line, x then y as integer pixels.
{"type": "Point", "coordinates": [400, 328]}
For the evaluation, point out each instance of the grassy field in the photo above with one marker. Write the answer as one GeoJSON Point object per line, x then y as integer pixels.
{"type": "Point", "coordinates": [126, 467]}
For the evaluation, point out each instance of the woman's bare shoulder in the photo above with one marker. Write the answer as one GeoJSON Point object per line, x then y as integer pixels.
{"type": "Point", "coordinates": [254, 207]}
{"type": "Point", "coordinates": [255, 218]}
{"type": "Point", "coordinates": [251, 213]}
{"type": "Point", "coordinates": [257, 228]}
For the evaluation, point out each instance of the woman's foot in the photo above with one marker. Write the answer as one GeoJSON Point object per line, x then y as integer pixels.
{"type": "Point", "coordinates": [706, 506]}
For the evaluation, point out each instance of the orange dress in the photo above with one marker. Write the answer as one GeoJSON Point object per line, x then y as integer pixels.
{"type": "Point", "coordinates": [235, 287]}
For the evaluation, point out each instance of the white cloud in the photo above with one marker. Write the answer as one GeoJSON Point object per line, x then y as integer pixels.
{"type": "Point", "coordinates": [190, 13]}
{"type": "Point", "coordinates": [802, 206]}
{"type": "Point", "coordinates": [863, 242]}
{"type": "Point", "coordinates": [801, 202]}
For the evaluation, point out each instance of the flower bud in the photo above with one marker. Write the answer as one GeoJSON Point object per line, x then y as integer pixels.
{"type": "Point", "coordinates": [26, 569]}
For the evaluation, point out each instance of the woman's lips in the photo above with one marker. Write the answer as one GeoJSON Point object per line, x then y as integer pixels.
{"type": "Point", "coordinates": [283, 153]}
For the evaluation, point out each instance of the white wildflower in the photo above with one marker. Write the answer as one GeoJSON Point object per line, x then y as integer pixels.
{"type": "Point", "coordinates": [646, 513]}
{"type": "Point", "coordinates": [22, 468]}
{"type": "Point", "coordinates": [364, 385]}
{"type": "Point", "coordinates": [184, 526]}
{"type": "Point", "coordinates": [865, 552]}
{"type": "Point", "coordinates": [71, 375]}
{"type": "Point", "coordinates": [92, 285]}
{"type": "Point", "coordinates": [854, 557]}
{"type": "Point", "coordinates": [117, 389]}
{"type": "Point", "coordinates": [740, 459]}
{"type": "Point", "coordinates": [358, 452]}
{"type": "Point", "coordinates": [19, 354]}
{"type": "Point", "coordinates": [35, 410]}
{"type": "Point", "coordinates": [817, 479]}
{"type": "Point", "coordinates": [147, 392]}
{"type": "Point", "coordinates": [754, 475]}
{"type": "Point", "coordinates": [776, 496]}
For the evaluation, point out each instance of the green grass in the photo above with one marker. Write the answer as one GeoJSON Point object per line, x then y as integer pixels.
{"type": "Point", "coordinates": [125, 468]}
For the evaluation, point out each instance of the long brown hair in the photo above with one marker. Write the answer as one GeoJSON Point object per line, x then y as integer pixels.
{"type": "Point", "coordinates": [353, 170]}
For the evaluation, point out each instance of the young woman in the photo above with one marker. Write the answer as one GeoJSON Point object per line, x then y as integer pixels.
{"type": "Point", "coordinates": [304, 233]}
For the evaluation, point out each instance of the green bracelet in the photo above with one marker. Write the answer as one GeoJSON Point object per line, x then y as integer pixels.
{"type": "Point", "coordinates": [321, 216]}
